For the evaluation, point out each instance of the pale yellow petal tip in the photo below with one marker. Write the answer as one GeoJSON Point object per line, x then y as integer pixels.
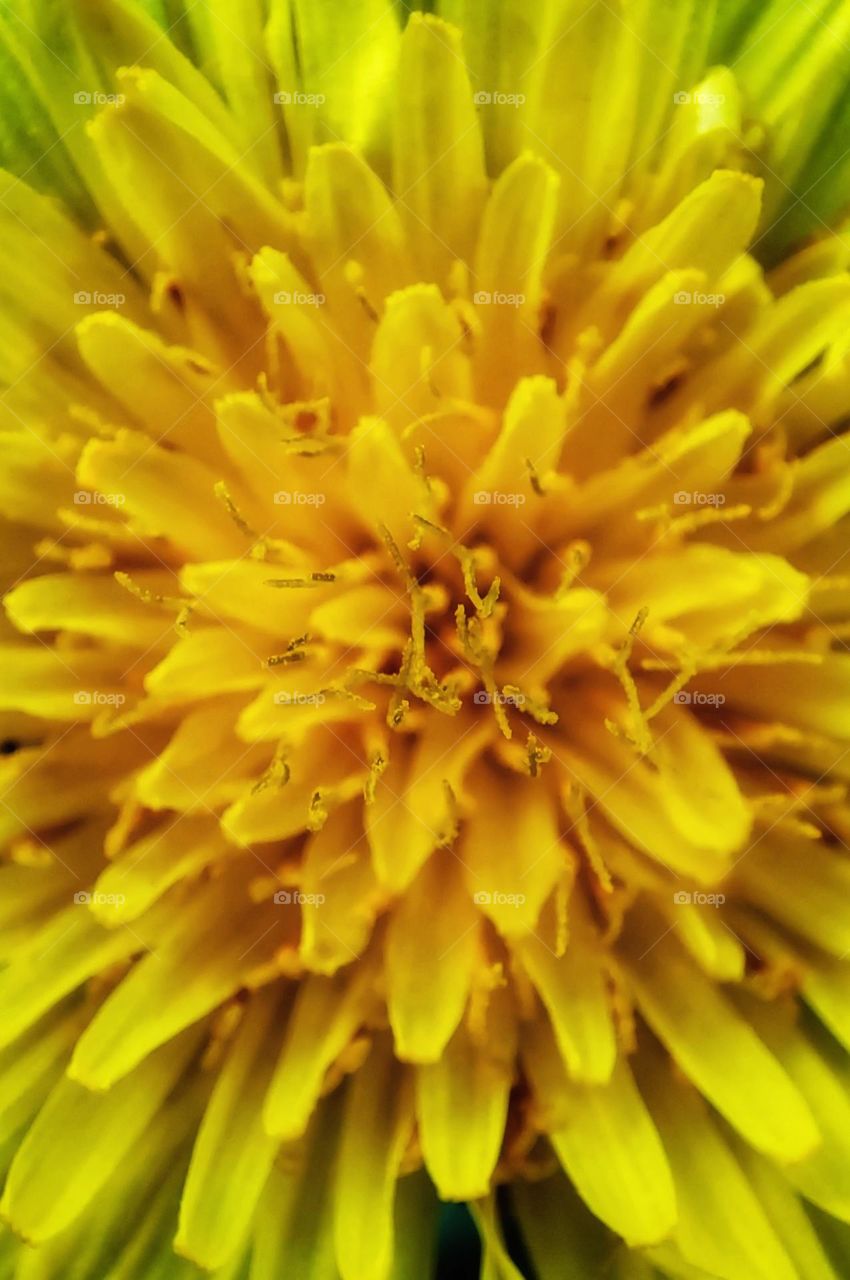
{"type": "Point", "coordinates": [8, 1219]}
{"type": "Point", "coordinates": [88, 1076]}
{"type": "Point", "coordinates": [132, 83]}
{"type": "Point", "coordinates": [446, 33]}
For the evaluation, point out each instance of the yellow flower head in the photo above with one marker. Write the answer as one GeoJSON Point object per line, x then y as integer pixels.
{"type": "Point", "coordinates": [424, 685]}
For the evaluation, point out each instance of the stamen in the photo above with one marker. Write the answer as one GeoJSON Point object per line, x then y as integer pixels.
{"type": "Point", "coordinates": [692, 521]}
{"type": "Point", "coordinates": [420, 679]}
{"type": "Point", "coordinates": [676, 685]}
{"type": "Point", "coordinates": [424, 526]}
{"type": "Point", "coordinates": [314, 580]}
{"type": "Point", "coordinates": [563, 890]}
{"type": "Point", "coordinates": [223, 494]}
{"type": "Point", "coordinates": [469, 633]}
{"type": "Point", "coordinates": [577, 556]}
{"type": "Point", "coordinates": [535, 479]}
{"type": "Point", "coordinates": [294, 652]}
{"type": "Point", "coordinates": [377, 766]}
{"type": "Point", "coordinates": [786, 488]}
{"type": "Point", "coordinates": [535, 707]}
{"type": "Point", "coordinates": [485, 605]}
{"type": "Point", "coordinates": [643, 738]}
{"type": "Point", "coordinates": [277, 774]}
{"type": "Point", "coordinates": [537, 755]}
{"type": "Point", "coordinates": [185, 608]}
{"type": "Point", "coordinates": [575, 802]}
{"type": "Point", "coordinates": [452, 826]}
{"type": "Point", "coordinates": [354, 276]}
{"type": "Point", "coordinates": [319, 812]}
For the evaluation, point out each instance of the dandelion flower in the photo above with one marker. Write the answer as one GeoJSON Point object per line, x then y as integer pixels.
{"type": "Point", "coordinates": [424, 683]}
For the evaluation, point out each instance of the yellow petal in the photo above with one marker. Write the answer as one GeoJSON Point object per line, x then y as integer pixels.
{"type": "Point", "coordinates": [437, 146]}
{"type": "Point", "coordinates": [64, 954]}
{"type": "Point", "coordinates": [532, 436]}
{"type": "Point", "coordinates": [30, 1067]}
{"type": "Point", "coordinates": [371, 616]}
{"type": "Point", "coordinates": [337, 872]}
{"type": "Point", "coordinates": [466, 1090]}
{"type": "Point", "coordinates": [73, 684]}
{"type": "Point", "coordinates": [710, 592]}
{"type": "Point", "coordinates": [246, 79]}
{"type": "Point", "coordinates": [166, 389]}
{"type": "Point", "coordinates": [351, 218]}
{"type": "Point", "coordinates": [197, 240]}
{"type": "Point", "coordinates": [788, 337]}
{"type": "Point", "coordinates": [511, 850]}
{"type": "Point", "coordinates": [294, 1225]}
{"type": "Point", "coordinates": [424, 948]}
{"type": "Point", "coordinates": [208, 661]}
{"type": "Point", "coordinates": [719, 1050]}
{"type": "Point", "coordinates": [191, 972]}
{"type": "Point", "coordinates": [801, 883]}
{"type": "Point", "coordinates": [611, 1150]}
{"type": "Point", "coordinates": [376, 1129]}
{"type": "Point", "coordinates": [721, 1224]}
{"type": "Point", "coordinates": [326, 1014]}
{"type": "Point", "coordinates": [54, 1175]}
{"type": "Point", "coordinates": [321, 363]}
{"type": "Point", "coordinates": [686, 811]}
{"type": "Point", "coordinates": [385, 489]}
{"type": "Point", "coordinates": [232, 1155]}
{"type": "Point", "coordinates": [826, 988]}
{"type": "Point", "coordinates": [819, 1070]}
{"type": "Point", "coordinates": [706, 232]}
{"type": "Point", "coordinates": [35, 466]}
{"type": "Point", "coordinates": [787, 1215]}
{"type": "Point", "coordinates": [162, 493]}
{"type": "Point", "coordinates": [412, 812]}
{"type": "Point", "coordinates": [288, 799]}
{"type": "Point", "coordinates": [814, 700]}
{"type": "Point", "coordinates": [89, 604]}
{"type": "Point", "coordinates": [204, 764]}
{"type": "Point", "coordinates": [419, 359]}
{"type": "Point", "coordinates": [516, 231]}
{"type": "Point", "coordinates": [574, 990]}
{"type": "Point", "coordinates": [340, 62]}
{"type": "Point", "coordinates": [557, 1225]}
{"type": "Point", "coordinates": [687, 458]}
{"type": "Point", "coordinates": [149, 867]}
